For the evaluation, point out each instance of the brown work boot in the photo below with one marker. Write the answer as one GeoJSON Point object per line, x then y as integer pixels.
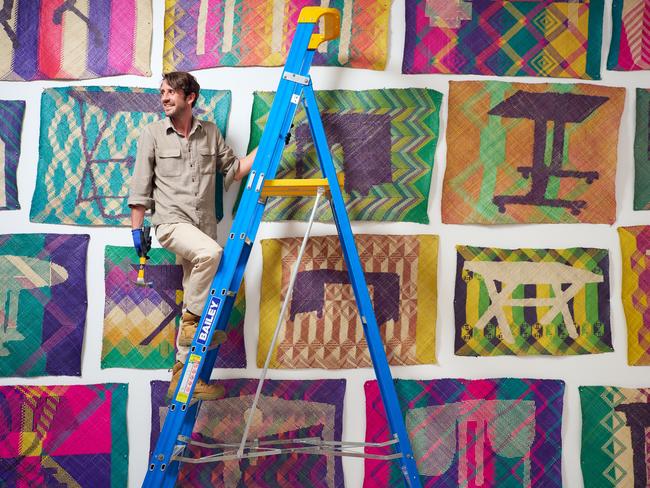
{"type": "Point", "coordinates": [189, 323]}
{"type": "Point", "coordinates": [202, 390]}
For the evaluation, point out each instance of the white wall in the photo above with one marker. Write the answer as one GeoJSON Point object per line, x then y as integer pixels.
{"type": "Point", "coordinates": [605, 369]}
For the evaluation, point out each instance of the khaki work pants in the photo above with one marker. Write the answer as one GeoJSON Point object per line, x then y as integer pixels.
{"type": "Point", "coordinates": [199, 255]}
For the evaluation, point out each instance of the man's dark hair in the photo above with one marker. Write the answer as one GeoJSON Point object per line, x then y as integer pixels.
{"type": "Point", "coordinates": [180, 80]}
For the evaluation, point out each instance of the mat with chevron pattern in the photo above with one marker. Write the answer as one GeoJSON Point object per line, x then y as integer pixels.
{"type": "Point", "coordinates": [532, 301]}
{"type": "Point", "coordinates": [74, 39]}
{"type": "Point", "coordinates": [208, 33]}
{"type": "Point", "coordinates": [322, 327]}
{"type": "Point", "coordinates": [497, 432]}
{"type": "Point", "coordinates": [140, 323]}
{"type": "Point", "coordinates": [44, 303]}
{"type": "Point", "coordinates": [556, 38]}
{"type": "Point", "coordinates": [71, 436]}
{"type": "Point", "coordinates": [635, 253]}
{"type": "Point", "coordinates": [630, 45]}
{"type": "Point", "coordinates": [87, 149]}
{"type": "Point", "coordinates": [287, 409]}
{"type": "Point", "coordinates": [383, 141]}
{"type": "Point", "coordinates": [531, 153]}
{"type": "Point", "coordinates": [642, 151]}
{"type": "Point", "coordinates": [11, 125]}
{"type": "Point", "coordinates": [615, 440]}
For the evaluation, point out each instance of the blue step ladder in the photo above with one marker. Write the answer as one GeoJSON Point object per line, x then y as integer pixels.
{"type": "Point", "coordinates": [295, 87]}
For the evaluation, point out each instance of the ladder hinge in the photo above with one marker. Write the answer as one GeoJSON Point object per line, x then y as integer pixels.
{"type": "Point", "coordinates": [303, 80]}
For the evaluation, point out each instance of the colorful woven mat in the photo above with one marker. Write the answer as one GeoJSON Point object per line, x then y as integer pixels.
{"type": "Point", "coordinates": [556, 38]}
{"type": "Point", "coordinates": [630, 45]}
{"type": "Point", "coordinates": [88, 146]}
{"type": "Point", "coordinates": [208, 33]}
{"type": "Point", "coordinates": [482, 433]}
{"type": "Point", "coordinates": [322, 327]}
{"type": "Point", "coordinates": [72, 436]}
{"type": "Point", "coordinates": [43, 313]}
{"type": "Point", "coordinates": [383, 141]}
{"type": "Point", "coordinates": [635, 252]}
{"type": "Point", "coordinates": [531, 153]}
{"type": "Point", "coordinates": [532, 301]}
{"type": "Point", "coordinates": [615, 441]}
{"type": "Point", "coordinates": [642, 150]}
{"type": "Point", "coordinates": [286, 410]}
{"type": "Point", "coordinates": [140, 323]}
{"type": "Point", "coordinates": [11, 124]}
{"type": "Point", "coordinates": [74, 39]}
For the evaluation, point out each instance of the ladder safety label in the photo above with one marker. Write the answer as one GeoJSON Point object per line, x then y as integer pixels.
{"type": "Point", "coordinates": [188, 379]}
{"type": "Point", "coordinates": [209, 319]}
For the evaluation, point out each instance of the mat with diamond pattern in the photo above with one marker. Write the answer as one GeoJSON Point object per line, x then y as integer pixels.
{"type": "Point", "coordinates": [556, 38]}
{"type": "Point", "coordinates": [11, 125]}
{"type": "Point", "coordinates": [383, 141]}
{"type": "Point", "coordinates": [74, 39]}
{"type": "Point", "coordinates": [87, 150]}
{"type": "Point", "coordinates": [532, 301]}
{"type": "Point", "coordinates": [497, 432]}
{"type": "Point", "coordinates": [635, 252]}
{"type": "Point", "coordinates": [615, 442]}
{"type": "Point", "coordinates": [322, 327]}
{"type": "Point", "coordinates": [208, 33]}
{"type": "Point", "coordinates": [531, 153]}
{"type": "Point", "coordinates": [286, 410]}
{"type": "Point", "coordinates": [43, 312]}
{"type": "Point", "coordinates": [72, 436]}
{"type": "Point", "coordinates": [140, 323]}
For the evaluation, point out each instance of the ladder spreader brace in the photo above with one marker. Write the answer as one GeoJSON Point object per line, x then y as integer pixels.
{"type": "Point", "coordinates": [295, 86]}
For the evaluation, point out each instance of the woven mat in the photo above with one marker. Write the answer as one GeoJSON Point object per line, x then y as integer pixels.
{"type": "Point", "coordinates": [532, 301]}
{"type": "Point", "coordinates": [384, 142]}
{"type": "Point", "coordinates": [69, 39]}
{"type": "Point", "coordinates": [615, 441]}
{"type": "Point", "coordinates": [63, 436]}
{"type": "Point", "coordinates": [11, 124]}
{"type": "Point", "coordinates": [635, 252]}
{"type": "Point", "coordinates": [531, 153]}
{"type": "Point", "coordinates": [286, 410]}
{"type": "Point", "coordinates": [322, 327]}
{"type": "Point", "coordinates": [482, 433]}
{"type": "Point", "coordinates": [504, 38]}
{"type": "Point", "coordinates": [642, 151]}
{"type": "Point", "coordinates": [140, 324]}
{"type": "Point", "coordinates": [87, 150]}
{"type": "Point", "coordinates": [207, 33]}
{"type": "Point", "coordinates": [43, 312]}
{"type": "Point", "coordinates": [630, 45]}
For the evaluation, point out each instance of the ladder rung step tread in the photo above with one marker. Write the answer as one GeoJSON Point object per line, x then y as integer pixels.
{"type": "Point", "coordinates": [296, 187]}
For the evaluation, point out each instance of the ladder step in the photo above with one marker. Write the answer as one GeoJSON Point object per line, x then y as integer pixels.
{"type": "Point", "coordinates": [298, 187]}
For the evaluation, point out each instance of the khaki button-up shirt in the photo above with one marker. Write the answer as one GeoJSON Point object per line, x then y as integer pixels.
{"type": "Point", "coordinates": [175, 176]}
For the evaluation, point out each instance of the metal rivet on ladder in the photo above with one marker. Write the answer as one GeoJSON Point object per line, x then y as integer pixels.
{"type": "Point", "coordinates": [161, 457]}
{"type": "Point", "coordinates": [242, 235]}
{"type": "Point", "coordinates": [250, 180]}
{"type": "Point", "coordinates": [232, 235]}
{"type": "Point", "coordinates": [151, 467]}
{"type": "Point", "coordinates": [172, 407]}
{"type": "Point", "coordinates": [193, 348]}
{"type": "Point", "coordinates": [223, 291]}
{"type": "Point", "coordinates": [183, 407]}
{"type": "Point", "coordinates": [212, 292]}
{"type": "Point", "coordinates": [203, 349]}
{"type": "Point", "coordinates": [162, 467]}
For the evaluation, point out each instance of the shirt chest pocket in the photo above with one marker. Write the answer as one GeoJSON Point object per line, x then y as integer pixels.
{"type": "Point", "coordinates": [168, 161]}
{"type": "Point", "coordinates": [207, 160]}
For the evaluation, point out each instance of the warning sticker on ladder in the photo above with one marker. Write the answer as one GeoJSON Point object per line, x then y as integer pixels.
{"type": "Point", "coordinates": [188, 378]}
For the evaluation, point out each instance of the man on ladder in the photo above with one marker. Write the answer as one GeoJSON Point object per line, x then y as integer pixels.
{"type": "Point", "coordinates": [295, 87]}
{"type": "Point", "coordinates": [175, 177]}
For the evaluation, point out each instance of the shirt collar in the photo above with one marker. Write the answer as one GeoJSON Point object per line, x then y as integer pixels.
{"type": "Point", "coordinates": [196, 123]}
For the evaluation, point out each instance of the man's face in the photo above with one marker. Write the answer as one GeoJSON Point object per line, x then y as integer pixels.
{"type": "Point", "coordinates": [174, 102]}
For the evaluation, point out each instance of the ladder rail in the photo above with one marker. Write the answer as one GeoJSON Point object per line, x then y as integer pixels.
{"type": "Point", "coordinates": [361, 293]}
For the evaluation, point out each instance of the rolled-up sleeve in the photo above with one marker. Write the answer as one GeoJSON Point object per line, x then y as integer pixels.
{"type": "Point", "coordinates": [141, 184]}
{"type": "Point", "coordinates": [227, 162]}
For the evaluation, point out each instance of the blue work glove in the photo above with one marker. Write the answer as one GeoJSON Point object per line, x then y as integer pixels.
{"type": "Point", "coordinates": [142, 240]}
